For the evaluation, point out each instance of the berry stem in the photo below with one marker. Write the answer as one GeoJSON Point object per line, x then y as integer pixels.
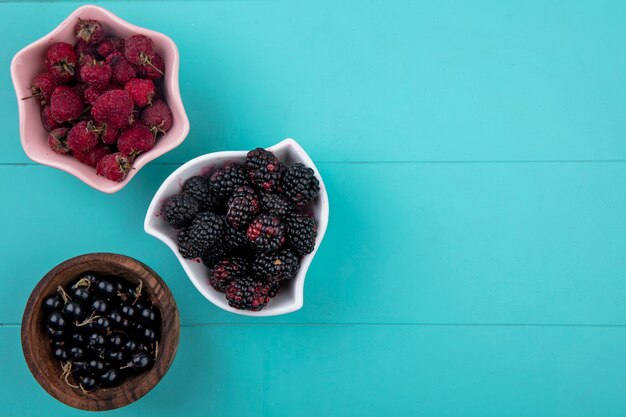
{"type": "Point", "coordinates": [87, 321]}
{"type": "Point", "coordinates": [64, 295]}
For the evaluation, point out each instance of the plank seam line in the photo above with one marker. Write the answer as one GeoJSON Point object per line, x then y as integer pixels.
{"type": "Point", "coordinates": [221, 324]}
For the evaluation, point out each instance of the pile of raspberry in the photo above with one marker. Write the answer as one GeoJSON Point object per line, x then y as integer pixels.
{"type": "Point", "coordinates": [100, 100]}
{"type": "Point", "coordinates": [249, 224]}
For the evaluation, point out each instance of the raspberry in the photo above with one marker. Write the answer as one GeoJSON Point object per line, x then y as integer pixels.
{"type": "Point", "coordinates": [57, 140]}
{"type": "Point", "coordinates": [42, 87]}
{"type": "Point", "coordinates": [82, 137]}
{"type": "Point", "coordinates": [206, 230]}
{"type": "Point", "coordinates": [140, 50]}
{"type": "Point", "coordinates": [91, 94]}
{"type": "Point", "coordinates": [114, 166]}
{"type": "Point", "coordinates": [89, 31]}
{"type": "Point", "coordinates": [242, 207]}
{"type": "Point", "coordinates": [61, 61]}
{"type": "Point", "coordinates": [300, 184]}
{"type": "Point", "coordinates": [277, 205]}
{"type": "Point", "coordinates": [109, 45]}
{"type": "Point", "coordinates": [122, 70]}
{"type": "Point", "coordinates": [180, 210]}
{"type": "Point", "coordinates": [65, 104]}
{"type": "Point", "coordinates": [227, 270]}
{"type": "Point", "coordinates": [154, 71]}
{"type": "Point", "coordinates": [276, 267]}
{"type": "Point", "coordinates": [49, 123]}
{"type": "Point", "coordinates": [135, 139]}
{"type": "Point", "coordinates": [264, 169]}
{"type": "Point", "coordinates": [83, 48]}
{"type": "Point", "coordinates": [184, 246]}
{"type": "Point", "coordinates": [301, 233]}
{"type": "Point", "coordinates": [198, 188]}
{"type": "Point", "coordinates": [248, 294]}
{"type": "Point", "coordinates": [266, 232]}
{"type": "Point", "coordinates": [96, 73]}
{"type": "Point", "coordinates": [108, 135]}
{"type": "Point", "coordinates": [115, 108]}
{"type": "Point", "coordinates": [213, 255]}
{"type": "Point", "coordinates": [158, 117]}
{"type": "Point", "coordinates": [224, 181]}
{"type": "Point", "coordinates": [141, 91]}
{"type": "Point", "coordinates": [91, 157]}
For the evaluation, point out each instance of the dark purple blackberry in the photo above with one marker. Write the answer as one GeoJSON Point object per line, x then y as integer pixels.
{"type": "Point", "coordinates": [180, 210]}
{"type": "Point", "coordinates": [227, 270]}
{"type": "Point", "coordinates": [224, 181]}
{"type": "Point", "coordinates": [300, 184]}
{"type": "Point", "coordinates": [206, 230]}
{"type": "Point", "coordinates": [248, 294]}
{"type": "Point", "coordinates": [266, 233]}
{"type": "Point", "coordinates": [198, 188]}
{"type": "Point", "coordinates": [264, 169]}
{"type": "Point", "coordinates": [242, 207]}
{"type": "Point", "coordinates": [213, 255]}
{"type": "Point", "coordinates": [276, 204]}
{"type": "Point", "coordinates": [184, 245]}
{"type": "Point", "coordinates": [277, 266]}
{"type": "Point", "coordinates": [276, 286]}
{"type": "Point", "coordinates": [235, 240]}
{"type": "Point", "coordinates": [301, 233]}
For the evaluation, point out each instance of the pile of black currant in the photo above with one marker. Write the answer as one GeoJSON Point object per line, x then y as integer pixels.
{"type": "Point", "coordinates": [101, 330]}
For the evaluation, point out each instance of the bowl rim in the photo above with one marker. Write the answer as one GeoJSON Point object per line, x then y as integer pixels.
{"type": "Point", "coordinates": [110, 186]}
{"type": "Point", "coordinates": [306, 260]}
{"type": "Point", "coordinates": [119, 398]}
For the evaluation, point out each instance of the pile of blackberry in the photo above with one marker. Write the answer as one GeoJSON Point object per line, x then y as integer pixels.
{"type": "Point", "coordinates": [248, 224]}
{"type": "Point", "coordinates": [101, 330]}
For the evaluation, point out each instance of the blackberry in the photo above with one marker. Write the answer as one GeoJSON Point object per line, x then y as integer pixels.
{"type": "Point", "coordinates": [276, 267]}
{"type": "Point", "coordinates": [242, 207]}
{"type": "Point", "coordinates": [301, 233]}
{"type": "Point", "coordinates": [266, 232]}
{"type": "Point", "coordinates": [264, 169]}
{"type": "Point", "coordinates": [198, 188]}
{"type": "Point", "coordinates": [213, 255]}
{"type": "Point", "coordinates": [227, 270]}
{"type": "Point", "coordinates": [206, 230]}
{"type": "Point", "coordinates": [300, 184]}
{"type": "Point", "coordinates": [180, 210]}
{"type": "Point", "coordinates": [235, 240]}
{"type": "Point", "coordinates": [224, 181]}
{"type": "Point", "coordinates": [276, 286]}
{"type": "Point", "coordinates": [276, 204]}
{"type": "Point", "coordinates": [248, 294]}
{"type": "Point", "coordinates": [184, 245]}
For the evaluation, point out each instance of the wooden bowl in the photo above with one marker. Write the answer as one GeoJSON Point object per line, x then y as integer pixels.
{"type": "Point", "coordinates": [36, 346]}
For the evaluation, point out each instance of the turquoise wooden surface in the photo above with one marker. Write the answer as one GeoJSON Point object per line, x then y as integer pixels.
{"type": "Point", "coordinates": [475, 158]}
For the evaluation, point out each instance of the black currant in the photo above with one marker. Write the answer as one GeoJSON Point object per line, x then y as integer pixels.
{"type": "Point", "coordinates": [105, 288]}
{"type": "Point", "coordinates": [76, 353]}
{"type": "Point", "coordinates": [56, 320]}
{"type": "Point", "coordinates": [130, 345]}
{"type": "Point", "coordinates": [146, 314]}
{"type": "Point", "coordinates": [73, 310]}
{"type": "Point", "coordinates": [96, 366]}
{"type": "Point", "coordinates": [103, 323]}
{"type": "Point", "coordinates": [52, 302]}
{"type": "Point", "coordinates": [114, 355]}
{"type": "Point", "coordinates": [77, 338]}
{"type": "Point", "coordinates": [60, 354]}
{"type": "Point", "coordinates": [140, 361]}
{"type": "Point", "coordinates": [116, 341]}
{"type": "Point", "coordinates": [96, 341]}
{"type": "Point", "coordinates": [80, 293]}
{"type": "Point", "coordinates": [128, 311]}
{"type": "Point", "coordinates": [87, 382]}
{"type": "Point", "coordinates": [109, 377]}
{"type": "Point", "coordinates": [99, 306]}
{"type": "Point", "coordinates": [55, 334]}
{"type": "Point", "coordinates": [148, 334]}
{"type": "Point", "coordinates": [116, 318]}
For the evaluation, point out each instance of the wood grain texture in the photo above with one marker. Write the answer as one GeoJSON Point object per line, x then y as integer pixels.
{"type": "Point", "coordinates": [36, 346]}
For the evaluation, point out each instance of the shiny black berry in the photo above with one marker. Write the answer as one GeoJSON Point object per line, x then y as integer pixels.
{"type": "Point", "coordinates": [109, 377]}
{"type": "Point", "coordinates": [95, 341]}
{"type": "Point", "coordinates": [87, 382]}
{"type": "Point", "coordinates": [76, 353]}
{"type": "Point", "coordinates": [147, 314]}
{"type": "Point", "coordinates": [128, 311]}
{"type": "Point", "coordinates": [105, 288]}
{"type": "Point", "coordinates": [96, 366]}
{"type": "Point", "coordinates": [60, 354]}
{"type": "Point", "coordinates": [55, 334]}
{"type": "Point", "coordinates": [140, 361]}
{"type": "Point", "coordinates": [73, 310]}
{"type": "Point", "coordinates": [99, 306]}
{"type": "Point", "coordinates": [114, 355]}
{"type": "Point", "coordinates": [103, 324]}
{"type": "Point", "coordinates": [80, 293]}
{"type": "Point", "coordinates": [56, 320]}
{"type": "Point", "coordinates": [52, 302]}
{"type": "Point", "coordinates": [148, 334]}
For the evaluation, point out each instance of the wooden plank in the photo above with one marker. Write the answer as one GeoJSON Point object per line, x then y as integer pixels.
{"type": "Point", "coordinates": [367, 371]}
{"type": "Point", "coordinates": [406, 243]}
{"type": "Point", "coordinates": [379, 81]}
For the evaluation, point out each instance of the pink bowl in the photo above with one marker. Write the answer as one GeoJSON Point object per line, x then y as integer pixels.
{"type": "Point", "coordinates": [29, 62]}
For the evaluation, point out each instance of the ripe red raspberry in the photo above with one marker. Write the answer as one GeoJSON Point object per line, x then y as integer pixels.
{"type": "Point", "coordinates": [41, 87]}
{"type": "Point", "coordinates": [158, 117]}
{"type": "Point", "coordinates": [141, 91]}
{"type": "Point", "coordinates": [139, 49]}
{"type": "Point", "coordinates": [114, 166]}
{"type": "Point", "coordinates": [61, 61]}
{"type": "Point", "coordinates": [89, 31]}
{"type": "Point", "coordinates": [135, 139]}
{"type": "Point", "coordinates": [49, 123]}
{"type": "Point", "coordinates": [91, 94]}
{"type": "Point", "coordinates": [96, 73]}
{"type": "Point", "coordinates": [154, 71]}
{"type": "Point", "coordinates": [115, 108]}
{"type": "Point", "coordinates": [66, 104]}
{"type": "Point", "coordinates": [108, 135]}
{"type": "Point", "coordinates": [109, 45]}
{"type": "Point", "coordinates": [82, 137]}
{"type": "Point", "coordinates": [84, 48]}
{"type": "Point", "coordinates": [122, 70]}
{"type": "Point", "coordinates": [57, 140]}
{"type": "Point", "coordinates": [91, 157]}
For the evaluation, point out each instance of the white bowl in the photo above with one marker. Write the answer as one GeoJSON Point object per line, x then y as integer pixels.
{"type": "Point", "coordinates": [291, 297]}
